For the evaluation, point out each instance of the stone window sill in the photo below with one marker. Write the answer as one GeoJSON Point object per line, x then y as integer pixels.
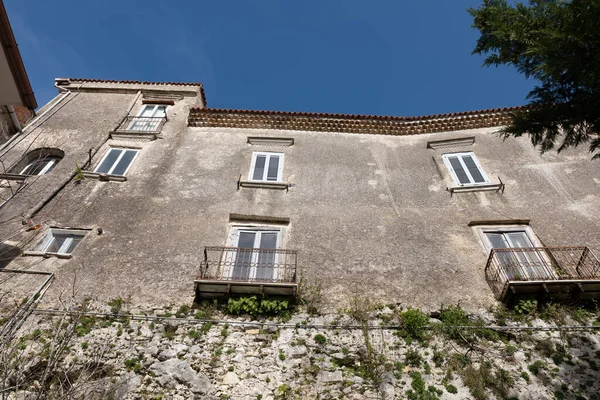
{"type": "Point", "coordinates": [47, 254]}
{"type": "Point", "coordinates": [264, 185]}
{"type": "Point", "coordinates": [104, 177]}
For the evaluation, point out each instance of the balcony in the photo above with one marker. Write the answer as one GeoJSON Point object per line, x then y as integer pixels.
{"type": "Point", "coordinates": [546, 272]}
{"type": "Point", "coordinates": [235, 270]}
{"type": "Point", "coordinates": [133, 127]}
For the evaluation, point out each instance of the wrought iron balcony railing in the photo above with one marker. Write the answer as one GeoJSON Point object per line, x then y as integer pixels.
{"type": "Point", "coordinates": [238, 264]}
{"type": "Point", "coordinates": [133, 124]}
{"type": "Point", "coordinates": [539, 264]}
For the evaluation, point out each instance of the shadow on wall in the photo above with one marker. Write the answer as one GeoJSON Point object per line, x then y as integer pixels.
{"type": "Point", "coordinates": [7, 254]}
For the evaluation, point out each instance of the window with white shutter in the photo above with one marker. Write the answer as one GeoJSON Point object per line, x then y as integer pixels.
{"type": "Point", "coordinates": [266, 167]}
{"type": "Point", "coordinates": [465, 169]}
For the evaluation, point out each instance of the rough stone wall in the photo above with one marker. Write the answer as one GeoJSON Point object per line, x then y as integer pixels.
{"type": "Point", "coordinates": [319, 357]}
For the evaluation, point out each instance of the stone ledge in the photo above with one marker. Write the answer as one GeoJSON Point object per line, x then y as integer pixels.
{"type": "Point", "coordinates": [46, 254]}
{"type": "Point", "coordinates": [448, 143]}
{"type": "Point", "coordinates": [104, 177]}
{"type": "Point", "coordinates": [477, 188]}
{"type": "Point", "coordinates": [135, 135]}
{"type": "Point", "coordinates": [14, 177]}
{"type": "Point", "coordinates": [270, 141]}
{"type": "Point", "coordinates": [264, 185]}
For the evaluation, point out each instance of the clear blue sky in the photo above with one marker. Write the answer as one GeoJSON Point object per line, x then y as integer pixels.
{"type": "Point", "coordinates": [343, 56]}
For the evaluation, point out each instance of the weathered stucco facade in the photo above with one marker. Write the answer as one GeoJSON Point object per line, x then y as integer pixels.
{"type": "Point", "coordinates": [368, 213]}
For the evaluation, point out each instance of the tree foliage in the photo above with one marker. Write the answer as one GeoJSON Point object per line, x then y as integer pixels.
{"type": "Point", "coordinates": [557, 43]}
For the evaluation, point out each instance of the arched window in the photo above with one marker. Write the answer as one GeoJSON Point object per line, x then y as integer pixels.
{"type": "Point", "coordinates": [38, 162]}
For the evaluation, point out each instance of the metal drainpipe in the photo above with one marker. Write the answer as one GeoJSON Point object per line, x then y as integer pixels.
{"type": "Point", "coordinates": [15, 120]}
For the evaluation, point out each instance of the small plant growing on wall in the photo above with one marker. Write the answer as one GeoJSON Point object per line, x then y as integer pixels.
{"type": "Point", "coordinates": [79, 176]}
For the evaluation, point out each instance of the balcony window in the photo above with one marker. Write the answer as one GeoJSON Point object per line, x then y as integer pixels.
{"type": "Point", "coordinates": [255, 258]}
{"type": "Point", "coordinates": [465, 169]}
{"type": "Point", "coordinates": [526, 261]}
{"type": "Point", "coordinates": [150, 117]}
{"type": "Point", "coordinates": [116, 161]}
{"type": "Point", "coordinates": [519, 265]}
{"type": "Point", "coordinates": [266, 167]}
{"type": "Point", "coordinates": [253, 262]}
{"type": "Point", "coordinates": [59, 241]}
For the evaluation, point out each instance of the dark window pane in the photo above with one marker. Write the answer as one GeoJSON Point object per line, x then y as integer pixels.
{"type": "Point", "coordinates": [35, 167]}
{"type": "Point", "coordinates": [268, 240]}
{"type": "Point", "coordinates": [108, 162]}
{"type": "Point", "coordinates": [59, 240]}
{"type": "Point", "coordinates": [496, 240]}
{"type": "Point", "coordinates": [473, 170]}
{"type": "Point", "coordinates": [266, 257]}
{"type": "Point", "coordinates": [273, 168]}
{"type": "Point", "coordinates": [53, 161]}
{"type": "Point", "coordinates": [76, 240]}
{"type": "Point", "coordinates": [458, 170]}
{"type": "Point", "coordinates": [246, 240]}
{"type": "Point", "coordinates": [124, 162]}
{"type": "Point", "coordinates": [242, 266]}
{"type": "Point", "coordinates": [259, 168]}
{"type": "Point", "coordinates": [161, 111]}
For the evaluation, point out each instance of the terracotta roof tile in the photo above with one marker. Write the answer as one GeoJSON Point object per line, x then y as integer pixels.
{"type": "Point", "coordinates": [351, 123]}
{"type": "Point", "coordinates": [145, 83]}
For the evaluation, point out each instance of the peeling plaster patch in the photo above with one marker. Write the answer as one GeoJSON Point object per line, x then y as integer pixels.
{"type": "Point", "coordinates": [483, 200]}
{"type": "Point", "coordinates": [597, 181]}
{"type": "Point", "coordinates": [434, 188]}
{"type": "Point", "coordinates": [371, 164]}
{"type": "Point", "coordinates": [383, 196]}
{"type": "Point", "coordinates": [186, 194]}
{"type": "Point", "coordinates": [379, 172]}
{"type": "Point", "coordinates": [91, 195]}
{"type": "Point", "coordinates": [568, 171]}
{"type": "Point", "coordinates": [585, 206]}
{"type": "Point", "coordinates": [547, 171]}
{"type": "Point", "coordinates": [373, 182]}
{"type": "Point", "coordinates": [461, 244]}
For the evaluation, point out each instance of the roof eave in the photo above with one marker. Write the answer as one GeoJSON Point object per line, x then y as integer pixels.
{"type": "Point", "coordinates": [15, 62]}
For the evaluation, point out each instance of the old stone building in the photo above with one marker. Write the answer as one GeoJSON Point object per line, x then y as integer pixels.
{"type": "Point", "coordinates": [137, 190]}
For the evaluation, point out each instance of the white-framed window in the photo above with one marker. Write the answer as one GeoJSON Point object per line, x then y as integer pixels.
{"type": "Point", "coordinates": [266, 167]}
{"type": "Point", "coordinates": [60, 241]}
{"type": "Point", "coordinates": [465, 169]}
{"type": "Point", "coordinates": [149, 118]}
{"type": "Point", "coordinates": [40, 166]}
{"type": "Point", "coordinates": [255, 257]}
{"type": "Point", "coordinates": [116, 161]}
